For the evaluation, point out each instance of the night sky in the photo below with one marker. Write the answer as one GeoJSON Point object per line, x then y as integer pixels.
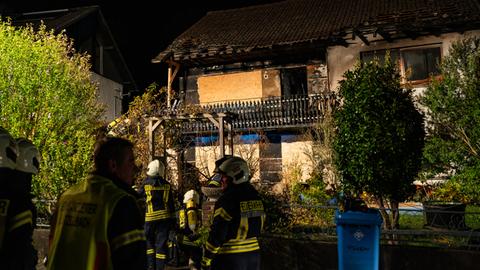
{"type": "Point", "coordinates": [142, 29]}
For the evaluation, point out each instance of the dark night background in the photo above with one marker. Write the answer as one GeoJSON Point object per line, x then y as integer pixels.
{"type": "Point", "coordinates": [142, 29]}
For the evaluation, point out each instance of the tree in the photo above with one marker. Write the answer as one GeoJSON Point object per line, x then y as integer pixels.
{"type": "Point", "coordinates": [380, 136]}
{"type": "Point", "coordinates": [453, 119]}
{"type": "Point", "coordinates": [133, 125]}
{"type": "Point", "coordinates": [46, 96]}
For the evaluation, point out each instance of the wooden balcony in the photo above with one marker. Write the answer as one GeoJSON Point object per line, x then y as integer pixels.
{"type": "Point", "coordinates": [274, 113]}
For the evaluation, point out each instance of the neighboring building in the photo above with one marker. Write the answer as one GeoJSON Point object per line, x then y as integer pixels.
{"type": "Point", "coordinates": [91, 34]}
{"type": "Point", "coordinates": [276, 64]}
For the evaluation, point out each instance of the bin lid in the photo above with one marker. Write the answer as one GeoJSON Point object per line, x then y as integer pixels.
{"type": "Point", "coordinates": [372, 217]}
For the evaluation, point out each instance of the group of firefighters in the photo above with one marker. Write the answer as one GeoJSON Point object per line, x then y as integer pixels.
{"type": "Point", "coordinates": [99, 223]}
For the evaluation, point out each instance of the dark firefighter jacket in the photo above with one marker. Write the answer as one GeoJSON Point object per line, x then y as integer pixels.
{"type": "Point", "coordinates": [17, 221]}
{"type": "Point", "coordinates": [158, 199]}
{"type": "Point", "coordinates": [237, 222]}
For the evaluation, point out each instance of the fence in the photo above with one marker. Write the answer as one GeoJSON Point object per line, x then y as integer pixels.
{"type": "Point", "coordinates": [316, 222]}
{"type": "Point", "coordinates": [266, 113]}
{"type": "Point", "coordinates": [461, 230]}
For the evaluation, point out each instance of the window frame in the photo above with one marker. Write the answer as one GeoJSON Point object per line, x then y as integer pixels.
{"type": "Point", "coordinates": [401, 61]}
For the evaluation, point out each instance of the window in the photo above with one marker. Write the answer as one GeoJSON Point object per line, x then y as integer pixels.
{"type": "Point", "coordinates": [294, 81]}
{"type": "Point", "coordinates": [418, 63]}
{"type": "Point", "coordinates": [380, 55]}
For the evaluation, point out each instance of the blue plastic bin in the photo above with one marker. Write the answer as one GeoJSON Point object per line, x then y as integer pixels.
{"type": "Point", "coordinates": [358, 239]}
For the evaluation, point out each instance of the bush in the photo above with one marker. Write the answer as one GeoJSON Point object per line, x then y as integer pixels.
{"type": "Point", "coordinates": [380, 136]}
{"type": "Point", "coordinates": [46, 96]}
{"type": "Point", "coordinates": [453, 110]}
{"type": "Point", "coordinates": [278, 219]}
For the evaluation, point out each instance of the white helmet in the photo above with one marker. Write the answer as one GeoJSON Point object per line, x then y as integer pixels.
{"type": "Point", "coordinates": [156, 168]}
{"type": "Point", "coordinates": [28, 156]}
{"type": "Point", "coordinates": [236, 168]}
{"type": "Point", "coordinates": [8, 150]}
{"type": "Point", "coordinates": [191, 195]}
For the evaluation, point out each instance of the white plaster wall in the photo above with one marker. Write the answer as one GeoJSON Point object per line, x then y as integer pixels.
{"type": "Point", "coordinates": [296, 154]}
{"type": "Point", "coordinates": [340, 59]}
{"type": "Point", "coordinates": [110, 95]}
{"type": "Point", "coordinates": [205, 157]}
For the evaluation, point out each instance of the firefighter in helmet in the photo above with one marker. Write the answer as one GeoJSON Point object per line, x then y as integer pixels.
{"type": "Point", "coordinates": [159, 214]}
{"type": "Point", "coordinates": [8, 158]}
{"type": "Point", "coordinates": [237, 221]}
{"type": "Point", "coordinates": [189, 219]}
{"type": "Point", "coordinates": [19, 160]}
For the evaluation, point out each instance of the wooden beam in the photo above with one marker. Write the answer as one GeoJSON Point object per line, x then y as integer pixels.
{"type": "Point", "coordinates": [384, 35]}
{"type": "Point", "coordinates": [338, 41]}
{"type": "Point", "coordinates": [153, 123]}
{"type": "Point", "coordinates": [170, 77]}
{"type": "Point", "coordinates": [221, 138]}
{"type": "Point", "coordinates": [361, 36]}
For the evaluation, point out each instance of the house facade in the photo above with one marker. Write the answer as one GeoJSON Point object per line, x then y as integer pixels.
{"type": "Point", "coordinates": [91, 34]}
{"type": "Point", "coordinates": [278, 66]}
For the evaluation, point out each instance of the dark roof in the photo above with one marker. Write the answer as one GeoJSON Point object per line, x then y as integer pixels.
{"type": "Point", "coordinates": [82, 23]}
{"type": "Point", "coordinates": [294, 23]}
{"type": "Point", "coordinates": [57, 20]}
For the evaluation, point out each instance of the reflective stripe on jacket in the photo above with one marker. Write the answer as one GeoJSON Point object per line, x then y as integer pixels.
{"type": "Point", "coordinates": [158, 199]}
{"type": "Point", "coordinates": [80, 239]}
{"type": "Point", "coordinates": [238, 220]}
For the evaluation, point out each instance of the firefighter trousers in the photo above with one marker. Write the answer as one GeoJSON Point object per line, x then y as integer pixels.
{"type": "Point", "coordinates": [156, 233]}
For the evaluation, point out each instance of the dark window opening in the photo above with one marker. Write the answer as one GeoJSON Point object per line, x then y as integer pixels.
{"type": "Point", "coordinates": [420, 64]}
{"type": "Point", "coordinates": [294, 81]}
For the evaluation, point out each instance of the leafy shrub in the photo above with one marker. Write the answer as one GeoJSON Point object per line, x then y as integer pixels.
{"type": "Point", "coordinates": [453, 110]}
{"type": "Point", "coordinates": [380, 135]}
{"type": "Point", "coordinates": [278, 218]}
{"type": "Point", "coordinates": [46, 96]}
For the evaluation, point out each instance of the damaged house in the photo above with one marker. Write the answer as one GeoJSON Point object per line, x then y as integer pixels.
{"type": "Point", "coordinates": [277, 66]}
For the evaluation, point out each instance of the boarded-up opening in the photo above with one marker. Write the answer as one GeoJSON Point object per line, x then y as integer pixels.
{"type": "Point", "coordinates": [235, 86]}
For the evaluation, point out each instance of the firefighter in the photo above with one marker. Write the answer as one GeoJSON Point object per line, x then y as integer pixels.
{"type": "Point", "coordinates": [237, 221]}
{"type": "Point", "coordinates": [215, 180]}
{"type": "Point", "coordinates": [98, 224]}
{"type": "Point", "coordinates": [159, 214]}
{"type": "Point", "coordinates": [189, 221]}
{"type": "Point", "coordinates": [27, 165]}
{"type": "Point", "coordinates": [9, 219]}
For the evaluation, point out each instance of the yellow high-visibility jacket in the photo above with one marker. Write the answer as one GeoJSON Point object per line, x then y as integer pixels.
{"type": "Point", "coordinates": [80, 240]}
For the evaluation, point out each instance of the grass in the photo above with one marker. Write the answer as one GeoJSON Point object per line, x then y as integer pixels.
{"type": "Point", "coordinates": [416, 222]}
{"type": "Point", "coordinates": [411, 222]}
{"type": "Point", "coordinates": [472, 216]}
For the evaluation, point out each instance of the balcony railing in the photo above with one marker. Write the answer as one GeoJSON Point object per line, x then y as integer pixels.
{"type": "Point", "coordinates": [265, 114]}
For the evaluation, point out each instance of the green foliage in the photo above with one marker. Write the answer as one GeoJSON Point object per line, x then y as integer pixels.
{"type": "Point", "coordinates": [310, 192]}
{"type": "Point", "coordinates": [453, 107]}
{"type": "Point", "coordinates": [450, 191]}
{"type": "Point", "coordinates": [46, 96]}
{"type": "Point", "coordinates": [133, 125]}
{"type": "Point", "coordinates": [380, 133]}
{"type": "Point", "coordinates": [278, 218]}
{"type": "Point", "coordinates": [308, 197]}
{"type": "Point", "coordinates": [321, 153]}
